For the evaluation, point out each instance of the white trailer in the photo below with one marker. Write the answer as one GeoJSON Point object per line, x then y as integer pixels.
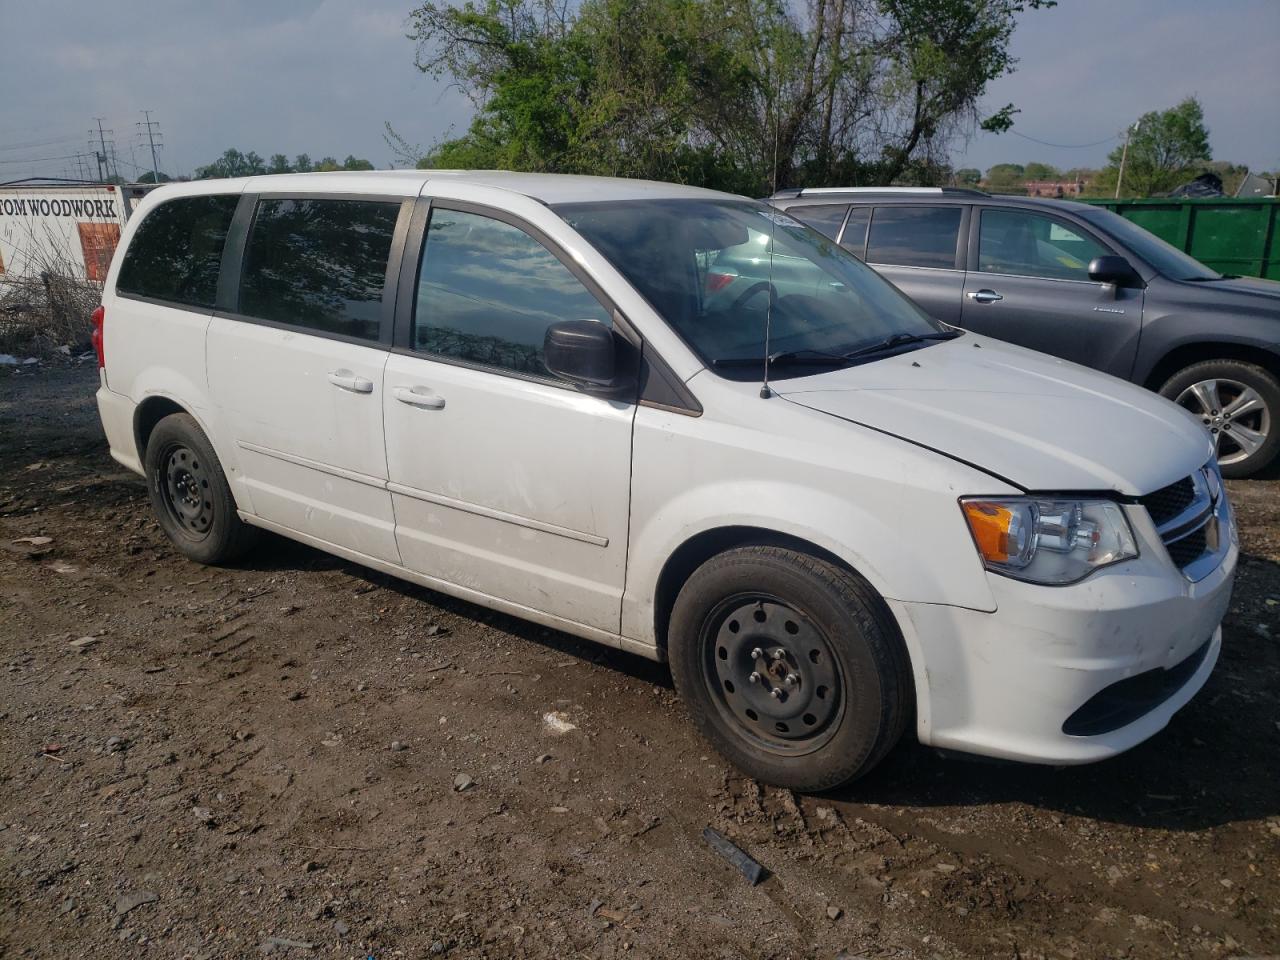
{"type": "Point", "coordinates": [68, 231]}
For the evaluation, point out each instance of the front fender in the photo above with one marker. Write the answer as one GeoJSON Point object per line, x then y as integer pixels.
{"type": "Point", "coordinates": [893, 517]}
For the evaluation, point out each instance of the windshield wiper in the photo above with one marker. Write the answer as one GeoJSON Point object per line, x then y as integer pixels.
{"type": "Point", "coordinates": [816, 357]}
{"type": "Point", "coordinates": [1223, 276]}
{"type": "Point", "coordinates": [900, 340]}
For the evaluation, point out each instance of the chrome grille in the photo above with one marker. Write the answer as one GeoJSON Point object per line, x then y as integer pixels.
{"type": "Point", "coordinates": [1191, 518]}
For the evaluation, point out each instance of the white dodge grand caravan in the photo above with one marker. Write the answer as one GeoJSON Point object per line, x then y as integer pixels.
{"type": "Point", "coordinates": [549, 395]}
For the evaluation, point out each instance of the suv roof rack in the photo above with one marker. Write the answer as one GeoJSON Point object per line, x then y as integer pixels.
{"type": "Point", "coordinates": [794, 192]}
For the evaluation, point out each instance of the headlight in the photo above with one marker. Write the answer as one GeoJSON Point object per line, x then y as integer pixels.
{"type": "Point", "coordinates": [1048, 541]}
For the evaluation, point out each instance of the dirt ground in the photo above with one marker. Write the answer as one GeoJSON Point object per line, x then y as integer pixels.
{"type": "Point", "coordinates": [272, 751]}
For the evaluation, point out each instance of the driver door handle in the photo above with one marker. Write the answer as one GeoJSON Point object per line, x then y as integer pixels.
{"type": "Point", "coordinates": [984, 296]}
{"type": "Point", "coordinates": [347, 380]}
{"type": "Point", "coordinates": [422, 397]}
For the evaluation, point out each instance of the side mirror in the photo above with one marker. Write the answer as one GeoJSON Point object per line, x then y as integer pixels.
{"type": "Point", "coordinates": [1113, 270]}
{"type": "Point", "coordinates": [582, 352]}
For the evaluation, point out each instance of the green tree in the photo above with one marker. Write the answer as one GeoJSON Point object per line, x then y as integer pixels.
{"type": "Point", "coordinates": [1168, 148]}
{"type": "Point", "coordinates": [968, 176]}
{"type": "Point", "coordinates": [356, 163]}
{"type": "Point", "coordinates": [1006, 177]}
{"type": "Point", "coordinates": [327, 164]}
{"type": "Point", "coordinates": [150, 177]}
{"type": "Point", "coordinates": [279, 164]}
{"type": "Point", "coordinates": [232, 163]}
{"type": "Point", "coordinates": [742, 94]}
{"type": "Point", "coordinates": [1041, 171]}
{"type": "Point", "coordinates": [302, 164]}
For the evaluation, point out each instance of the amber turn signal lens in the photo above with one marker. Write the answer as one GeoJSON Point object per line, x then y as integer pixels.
{"type": "Point", "coordinates": [990, 523]}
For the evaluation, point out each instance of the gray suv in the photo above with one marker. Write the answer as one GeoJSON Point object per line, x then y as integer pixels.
{"type": "Point", "coordinates": [1082, 283]}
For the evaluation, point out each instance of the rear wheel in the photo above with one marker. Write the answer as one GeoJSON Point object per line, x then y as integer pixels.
{"type": "Point", "coordinates": [790, 666]}
{"type": "Point", "coordinates": [1239, 404]}
{"type": "Point", "coordinates": [190, 495]}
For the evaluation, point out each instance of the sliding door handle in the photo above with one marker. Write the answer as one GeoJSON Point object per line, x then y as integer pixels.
{"type": "Point", "coordinates": [422, 397]}
{"type": "Point", "coordinates": [347, 380]}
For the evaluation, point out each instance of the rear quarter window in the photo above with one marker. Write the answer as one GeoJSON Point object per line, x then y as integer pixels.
{"type": "Point", "coordinates": [176, 251]}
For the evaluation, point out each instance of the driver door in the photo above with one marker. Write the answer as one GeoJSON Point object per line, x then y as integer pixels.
{"type": "Point", "coordinates": [1029, 284]}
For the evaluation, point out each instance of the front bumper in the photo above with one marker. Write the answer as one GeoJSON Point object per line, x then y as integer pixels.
{"type": "Point", "coordinates": [1005, 684]}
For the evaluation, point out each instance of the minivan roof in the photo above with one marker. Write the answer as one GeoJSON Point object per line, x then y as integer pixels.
{"type": "Point", "coordinates": [548, 188]}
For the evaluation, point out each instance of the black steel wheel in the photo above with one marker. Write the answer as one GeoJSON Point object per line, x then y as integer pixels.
{"type": "Point", "coordinates": [190, 495]}
{"type": "Point", "coordinates": [185, 493]}
{"type": "Point", "coordinates": [791, 666]}
{"type": "Point", "coordinates": [771, 671]}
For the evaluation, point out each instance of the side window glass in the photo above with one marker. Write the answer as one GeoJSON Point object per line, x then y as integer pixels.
{"type": "Point", "coordinates": [1029, 245]}
{"type": "Point", "coordinates": [319, 263]}
{"type": "Point", "coordinates": [487, 291]}
{"type": "Point", "coordinates": [826, 219]}
{"type": "Point", "coordinates": [854, 238]}
{"type": "Point", "coordinates": [176, 251]}
{"type": "Point", "coordinates": [914, 236]}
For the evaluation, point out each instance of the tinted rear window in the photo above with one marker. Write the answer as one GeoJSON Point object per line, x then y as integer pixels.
{"type": "Point", "coordinates": [320, 264]}
{"type": "Point", "coordinates": [176, 251]}
{"type": "Point", "coordinates": [914, 236]}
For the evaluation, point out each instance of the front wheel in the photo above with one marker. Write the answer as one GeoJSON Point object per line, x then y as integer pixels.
{"type": "Point", "coordinates": [790, 666]}
{"type": "Point", "coordinates": [1239, 404]}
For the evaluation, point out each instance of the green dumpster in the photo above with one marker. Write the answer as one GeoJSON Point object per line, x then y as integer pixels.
{"type": "Point", "coordinates": [1231, 236]}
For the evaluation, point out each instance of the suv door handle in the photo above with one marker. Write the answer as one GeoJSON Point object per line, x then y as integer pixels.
{"type": "Point", "coordinates": [347, 380]}
{"type": "Point", "coordinates": [984, 296]}
{"type": "Point", "coordinates": [419, 397]}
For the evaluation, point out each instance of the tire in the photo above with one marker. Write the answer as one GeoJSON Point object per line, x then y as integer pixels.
{"type": "Point", "coordinates": [190, 495]}
{"type": "Point", "coordinates": [1211, 389]}
{"type": "Point", "coordinates": [847, 700]}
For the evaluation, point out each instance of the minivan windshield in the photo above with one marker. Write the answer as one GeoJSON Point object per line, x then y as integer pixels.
{"type": "Point", "coordinates": [1165, 258]}
{"type": "Point", "coordinates": [716, 270]}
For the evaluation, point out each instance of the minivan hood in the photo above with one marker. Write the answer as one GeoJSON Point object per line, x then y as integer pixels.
{"type": "Point", "coordinates": [1042, 423]}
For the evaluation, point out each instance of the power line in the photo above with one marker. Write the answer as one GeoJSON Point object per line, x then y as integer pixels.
{"type": "Point", "coordinates": [65, 156]}
{"type": "Point", "coordinates": [1066, 146]}
{"type": "Point", "coordinates": [38, 143]}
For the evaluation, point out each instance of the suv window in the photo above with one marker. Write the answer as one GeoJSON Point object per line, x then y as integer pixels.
{"type": "Point", "coordinates": [319, 263]}
{"type": "Point", "coordinates": [487, 291]}
{"type": "Point", "coordinates": [176, 251]}
{"type": "Point", "coordinates": [825, 218]}
{"type": "Point", "coordinates": [914, 236]}
{"type": "Point", "coordinates": [1031, 245]}
{"type": "Point", "coordinates": [854, 238]}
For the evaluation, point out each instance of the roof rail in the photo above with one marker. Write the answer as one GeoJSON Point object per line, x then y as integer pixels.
{"type": "Point", "coordinates": [793, 192]}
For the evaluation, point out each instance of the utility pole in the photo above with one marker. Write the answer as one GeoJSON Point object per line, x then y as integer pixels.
{"type": "Point", "coordinates": [104, 167]}
{"type": "Point", "coordinates": [1123, 155]}
{"type": "Point", "coordinates": [151, 127]}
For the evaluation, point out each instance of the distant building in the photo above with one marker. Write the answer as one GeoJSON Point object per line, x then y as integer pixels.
{"type": "Point", "coordinates": [1054, 188]}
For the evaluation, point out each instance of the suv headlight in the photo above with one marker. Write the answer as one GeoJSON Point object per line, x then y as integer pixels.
{"type": "Point", "coordinates": [1048, 541]}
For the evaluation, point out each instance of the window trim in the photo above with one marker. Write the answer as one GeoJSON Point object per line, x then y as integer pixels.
{"type": "Point", "coordinates": [975, 237]}
{"type": "Point", "coordinates": [237, 248]}
{"type": "Point", "coordinates": [962, 234]}
{"type": "Point", "coordinates": [862, 254]}
{"type": "Point", "coordinates": [201, 309]}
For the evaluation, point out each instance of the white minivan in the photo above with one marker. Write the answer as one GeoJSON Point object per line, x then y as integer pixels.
{"type": "Point", "coordinates": [834, 516]}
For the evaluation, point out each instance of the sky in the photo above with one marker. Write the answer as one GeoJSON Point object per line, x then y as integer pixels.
{"type": "Point", "coordinates": [322, 77]}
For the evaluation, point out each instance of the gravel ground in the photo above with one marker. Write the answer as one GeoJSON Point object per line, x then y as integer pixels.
{"type": "Point", "coordinates": [301, 757]}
